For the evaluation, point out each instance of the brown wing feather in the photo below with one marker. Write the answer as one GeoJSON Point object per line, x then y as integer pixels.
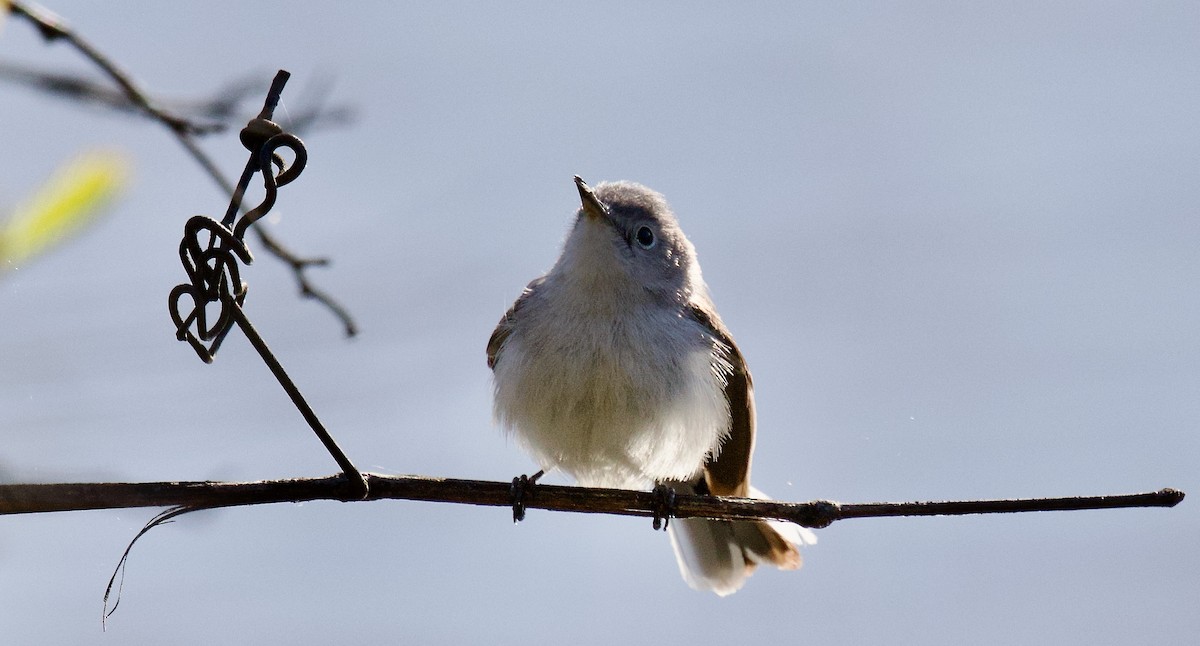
{"type": "Point", "coordinates": [504, 327]}
{"type": "Point", "coordinates": [728, 473]}
{"type": "Point", "coordinates": [499, 336]}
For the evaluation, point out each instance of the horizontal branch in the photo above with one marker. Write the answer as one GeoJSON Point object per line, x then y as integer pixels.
{"type": "Point", "coordinates": [36, 498]}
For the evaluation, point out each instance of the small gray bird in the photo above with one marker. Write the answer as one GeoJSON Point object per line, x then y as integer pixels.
{"type": "Point", "coordinates": [615, 368]}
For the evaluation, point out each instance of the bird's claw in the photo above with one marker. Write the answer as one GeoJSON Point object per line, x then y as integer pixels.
{"type": "Point", "coordinates": [521, 486]}
{"type": "Point", "coordinates": [664, 506]}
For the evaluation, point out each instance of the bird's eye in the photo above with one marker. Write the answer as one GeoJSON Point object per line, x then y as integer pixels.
{"type": "Point", "coordinates": [644, 237]}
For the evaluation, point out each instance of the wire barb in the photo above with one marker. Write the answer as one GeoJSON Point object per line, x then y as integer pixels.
{"type": "Point", "coordinates": [521, 489]}
{"type": "Point", "coordinates": [664, 506]}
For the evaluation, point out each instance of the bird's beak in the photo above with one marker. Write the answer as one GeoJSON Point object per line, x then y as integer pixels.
{"type": "Point", "coordinates": [592, 206]}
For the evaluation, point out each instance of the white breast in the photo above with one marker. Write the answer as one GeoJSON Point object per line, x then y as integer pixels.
{"type": "Point", "coordinates": [614, 405]}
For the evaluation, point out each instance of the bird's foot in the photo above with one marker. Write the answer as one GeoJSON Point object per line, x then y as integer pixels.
{"type": "Point", "coordinates": [664, 505]}
{"type": "Point", "coordinates": [521, 487]}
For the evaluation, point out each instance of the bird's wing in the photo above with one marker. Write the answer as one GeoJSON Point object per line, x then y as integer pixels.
{"type": "Point", "coordinates": [504, 327]}
{"type": "Point", "coordinates": [728, 472]}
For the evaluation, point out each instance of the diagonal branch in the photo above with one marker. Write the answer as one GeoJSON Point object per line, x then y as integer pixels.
{"type": "Point", "coordinates": [52, 28]}
{"type": "Point", "coordinates": [35, 498]}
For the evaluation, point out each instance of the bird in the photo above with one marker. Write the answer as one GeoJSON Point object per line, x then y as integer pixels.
{"type": "Point", "coordinates": [615, 368]}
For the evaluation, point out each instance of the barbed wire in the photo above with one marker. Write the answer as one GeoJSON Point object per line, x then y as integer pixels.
{"type": "Point", "coordinates": [59, 497]}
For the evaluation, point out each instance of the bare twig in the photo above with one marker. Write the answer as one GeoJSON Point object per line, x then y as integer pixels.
{"type": "Point", "coordinates": [222, 108]}
{"type": "Point", "coordinates": [37, 498]}
{"type": "Point", "coordinates": [52, 28]}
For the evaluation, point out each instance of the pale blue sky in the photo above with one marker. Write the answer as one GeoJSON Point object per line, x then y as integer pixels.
{"type": "Point", "coordinates": [957, 243]}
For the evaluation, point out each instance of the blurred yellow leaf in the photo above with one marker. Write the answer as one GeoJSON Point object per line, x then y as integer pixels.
{"type": "Point", "coordinates": [74, 197]}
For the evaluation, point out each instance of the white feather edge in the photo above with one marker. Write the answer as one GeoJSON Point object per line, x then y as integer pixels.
{"type": "Point", "coordinates": [791, 532]}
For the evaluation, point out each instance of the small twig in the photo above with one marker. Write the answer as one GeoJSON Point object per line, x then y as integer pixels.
{"type": "Point", "coordinates": [36, 498]}
{"type": "Point", "coordinates": [52, 28]}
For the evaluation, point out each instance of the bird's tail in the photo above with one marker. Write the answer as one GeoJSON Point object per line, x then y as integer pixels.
{"type": "Point", "coordinates": [719, 555]}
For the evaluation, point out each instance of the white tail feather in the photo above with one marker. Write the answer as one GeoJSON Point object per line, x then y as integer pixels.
{"type": "Point", "coordinates": [719, 555]}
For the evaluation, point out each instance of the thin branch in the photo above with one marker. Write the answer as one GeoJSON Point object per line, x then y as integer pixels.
{"type": "Point", "coordinates": [36, 498]}
{"type": "Point", "coordinates": [221, 109]}
{"type": "Point", "coordinates": [52, 28]}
